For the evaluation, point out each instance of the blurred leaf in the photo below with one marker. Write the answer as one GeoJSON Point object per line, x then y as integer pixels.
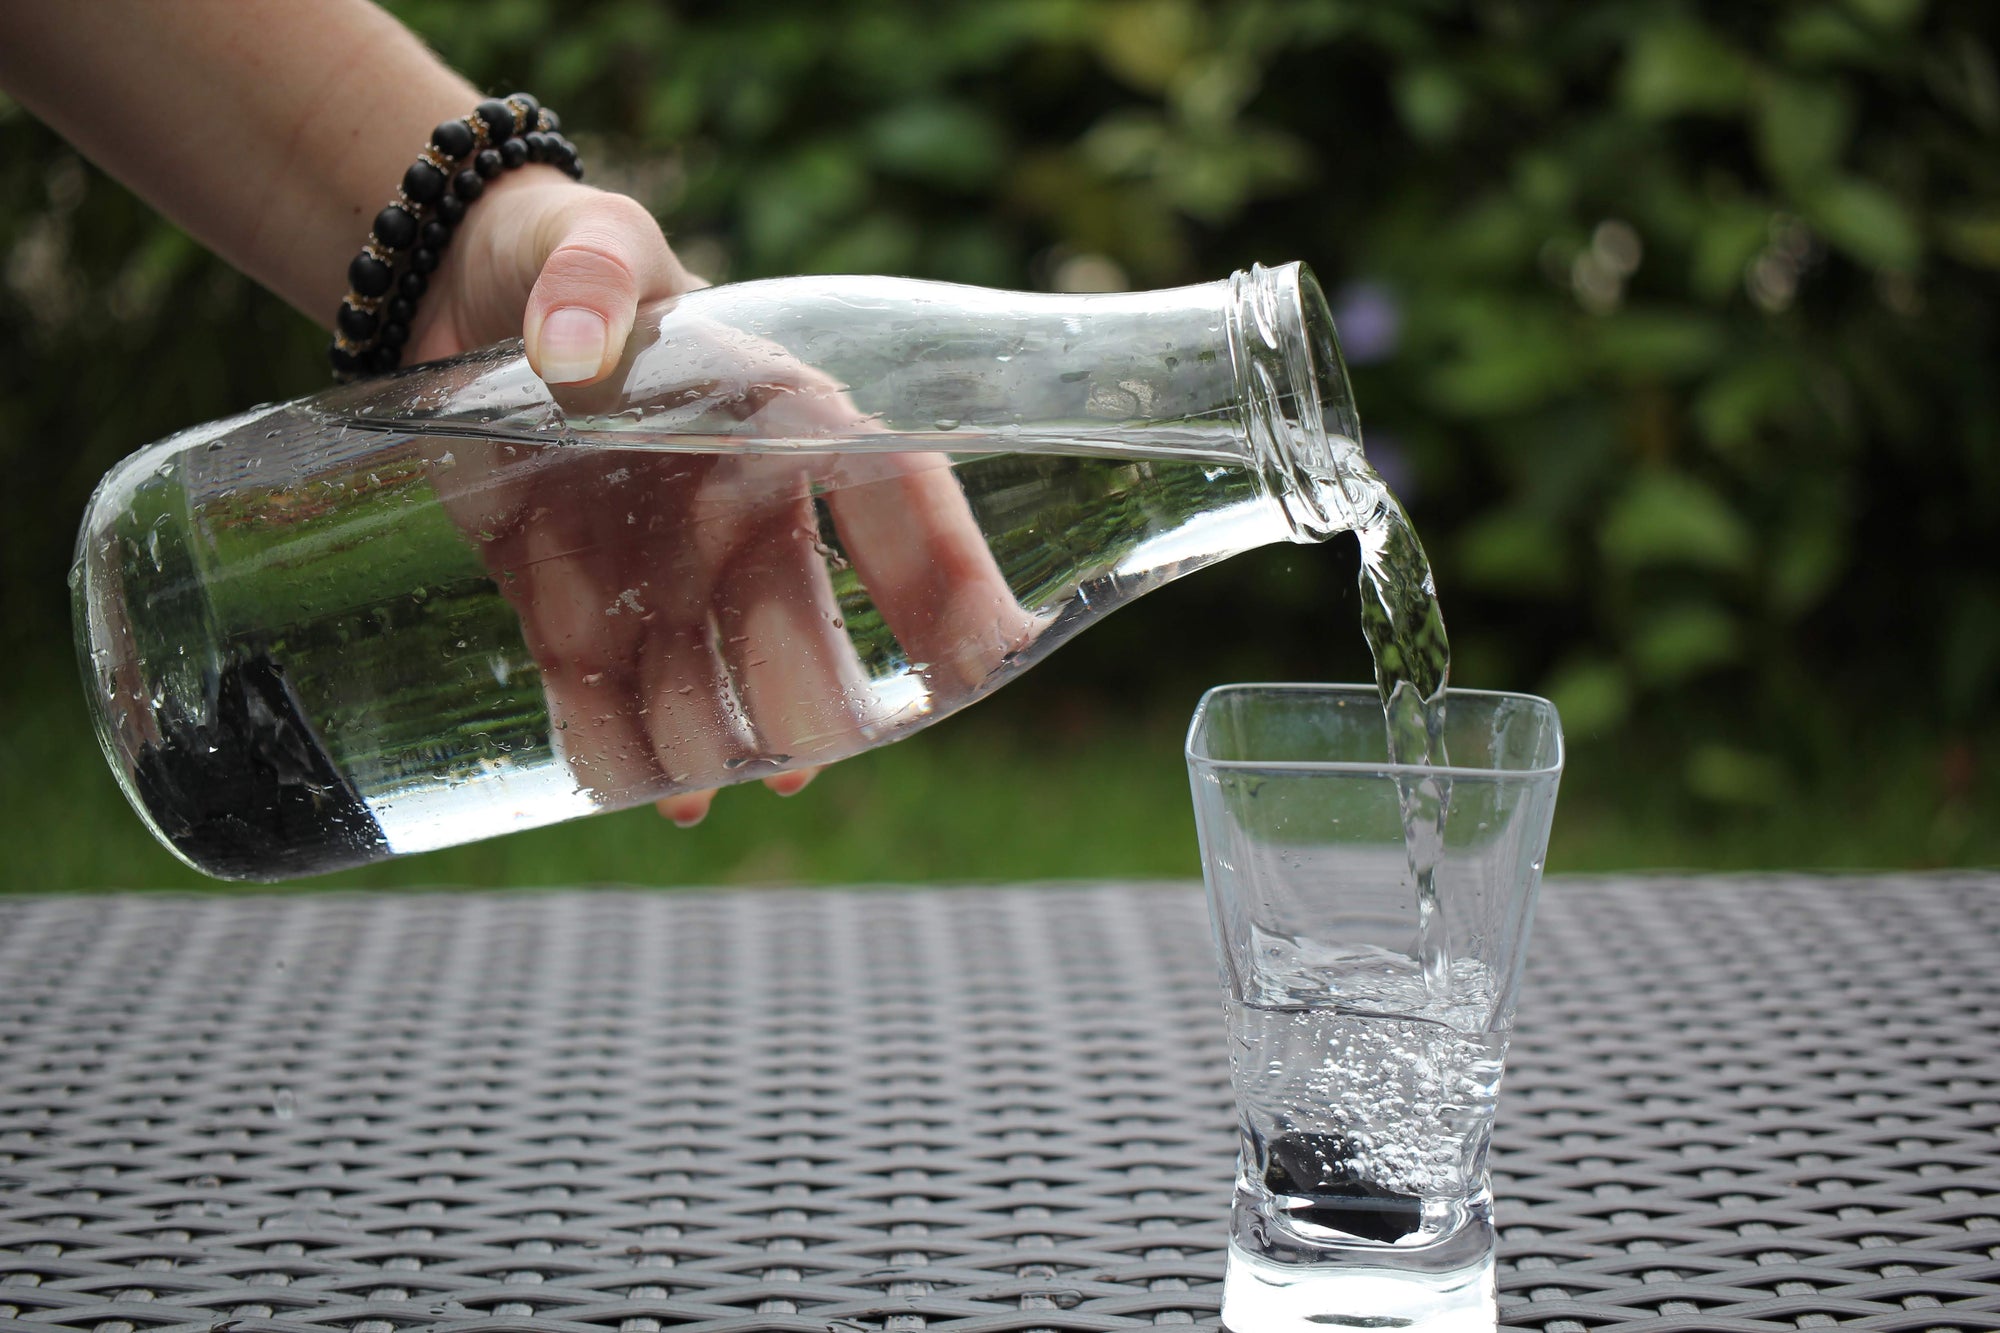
{"type": "Point", "coordinates": [1668, 518]}
{"type": "Point", "coordinates": [1678, 67]}
{"type": "Point", "coordinates": [1210, 179]}
{"type": "Point", "coordinates": [1211, 91]}
{"type": "Point", "coordinates": [1803, 128]}
{"type": "Point", "coordinates": [1127, 222]}
{"type": "Point", "coordinates": [1865, 220]}
{"type": "Point", "coordinates": [1972, 238]}
{"type": "Point", "coordinates": [879, 243]}
{"type": "Point", "coordinates": [1972, 653]}
{"type": "Point", "coordinates": [1511, 357]}
{"type": "Point", "coordinates": [1809, 553]}
{"type": "Point", "coordinates": [166, 256]}
{"type": "Point", "coordinates": [1591, 695]}
{"type": "Point", "coordinates": [1145, 42]}
{"type": "Point", "coordinates": [1511, 551]}
{"type": "Point", "coordinates": [1431, 101]}
{"type": "Point", "coordinates": [1750, 396]}
{"type": "Point", "coordinates": [1545, 181]}
{"type": "Point", "coordinates": [1729, 239]}
{"type": "Point", "coordinates": [1733, 776]}
{"type": "Point", "coordinates": [1888, 13]}
{"type": "Point", "coordinates": [1493, 234]}
{"type": "Point", "coordinates": [1214, 182]}
{"type": "Point", "coordinates": [978, 253]}
{"type": "Point", "coordinates": [947, 143]}
{"type": "Point", "coordinates": [673, 106]}
{"type": "Point", "coordinates": [1128, 143]}
{"type": "Point", "coordinates": [1821, 35]}
{"type": "Point", "coordinates": [798, 199]}
{"type": "Point", "coordinates": [1966, 78]}
{"type": "Point", "coordinates": [1658, 344]}
{"type": "Point", "coordinates": [1676, 642]}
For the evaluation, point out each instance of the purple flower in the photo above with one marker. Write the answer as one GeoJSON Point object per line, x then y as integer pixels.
{"type": "Point", "coordinates": [1370, 321]}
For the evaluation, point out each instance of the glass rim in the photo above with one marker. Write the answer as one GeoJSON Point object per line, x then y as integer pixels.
{"type": "Point", "coordinates": [1370, 768]}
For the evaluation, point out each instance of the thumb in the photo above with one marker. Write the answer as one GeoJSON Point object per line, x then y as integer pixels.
{"type": "Point", "coordinates": [606, 254]}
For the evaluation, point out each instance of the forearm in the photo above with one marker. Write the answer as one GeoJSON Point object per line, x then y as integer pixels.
{"type": "Point", "coordinates": [272, 130]}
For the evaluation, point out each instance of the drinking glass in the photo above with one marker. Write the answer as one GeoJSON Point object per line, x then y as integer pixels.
{"type": "Point", "coordinates": [1368, 1021]}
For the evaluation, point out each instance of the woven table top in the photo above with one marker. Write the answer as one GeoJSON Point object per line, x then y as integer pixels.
{"type": "Point", "coordinates": [1733, 1104]}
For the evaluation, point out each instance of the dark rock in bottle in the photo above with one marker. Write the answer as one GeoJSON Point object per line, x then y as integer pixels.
{"type": "Point", "coordinates": [245, 788]}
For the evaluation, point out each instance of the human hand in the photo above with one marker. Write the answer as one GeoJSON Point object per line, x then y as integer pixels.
{"type": "Point", "coordinates": [560, 264]}
{"type": "Point", "coordinates": [680, 605]}
{"type": "Point", "coordinates": [565, 266]}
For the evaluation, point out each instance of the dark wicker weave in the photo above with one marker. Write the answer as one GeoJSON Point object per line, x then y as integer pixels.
{"type": "Point", "coordinates": [1734, 1105]}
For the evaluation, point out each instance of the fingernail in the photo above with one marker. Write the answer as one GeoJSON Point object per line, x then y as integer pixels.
{"type": "Point", "coordinates": [789, 784]}
{"type": "Point", "coordinates": [686, 812]}
{"type": "Point", "coordinates": [572, 345]}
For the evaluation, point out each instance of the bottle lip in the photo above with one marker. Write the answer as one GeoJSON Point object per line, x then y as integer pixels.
{"type": "Point", "coordinates": [1302, 425]}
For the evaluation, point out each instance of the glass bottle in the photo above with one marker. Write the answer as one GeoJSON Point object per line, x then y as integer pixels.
{"type": "Point", "coordinates": [803, 518]}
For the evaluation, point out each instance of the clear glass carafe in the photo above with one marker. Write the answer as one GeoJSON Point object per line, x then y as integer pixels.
{"type": "Point", "coordinates": [804, 517]}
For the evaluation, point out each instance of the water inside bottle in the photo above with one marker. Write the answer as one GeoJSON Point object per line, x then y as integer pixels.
{"type": "Point", "coordinates": [414, 640]}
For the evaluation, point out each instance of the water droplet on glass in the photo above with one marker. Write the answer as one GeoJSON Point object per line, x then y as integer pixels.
{"type": "Point", "coordinates": [284, 1103]}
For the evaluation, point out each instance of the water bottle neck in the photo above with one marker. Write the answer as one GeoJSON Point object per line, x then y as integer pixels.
{"type": "Point", "coordinates": [1298, 411]}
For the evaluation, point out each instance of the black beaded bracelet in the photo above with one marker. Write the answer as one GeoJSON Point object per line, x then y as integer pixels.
{"type": "Point", "coordinates": [392, 272]}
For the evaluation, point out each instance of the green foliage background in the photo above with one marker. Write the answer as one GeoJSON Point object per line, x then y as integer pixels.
{"type": "Point", "coordinates": [1692, 391]}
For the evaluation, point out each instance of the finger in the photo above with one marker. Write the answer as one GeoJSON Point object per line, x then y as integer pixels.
{"type": "Point", "coordinates": [598, 736]}
{"type": "Point", "coordinates": [686, 808]}
{"type": "Point", "coordinates": [584, 630]}
{"type": "Point", "coordinates": [694, 725]}
{"type": "Point", "coordinates": [486, 485]}
{"type": "Point", "coordinates": [903, 517]}
{"type": "Point", "coordinates": [796, 670]}
{"type": "Point", "coordinates": [792, 783]}
{"type": "Point", "coordinates": [605, 255]}
{"type": "Point", "coordinates": [911, 533]}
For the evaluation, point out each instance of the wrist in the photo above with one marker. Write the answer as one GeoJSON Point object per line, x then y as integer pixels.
{"type": "Point", "coordinates": [410, 238]}
{"type": "Point", "coordinates": [476, 293]}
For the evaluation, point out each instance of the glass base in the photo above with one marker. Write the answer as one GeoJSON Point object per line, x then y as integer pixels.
{"type": "Point", "coordinates": [1259, 1296]}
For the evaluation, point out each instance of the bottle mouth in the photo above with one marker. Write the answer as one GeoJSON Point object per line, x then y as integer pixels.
{"type": "Point", "coordinates": [1303, 430]}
